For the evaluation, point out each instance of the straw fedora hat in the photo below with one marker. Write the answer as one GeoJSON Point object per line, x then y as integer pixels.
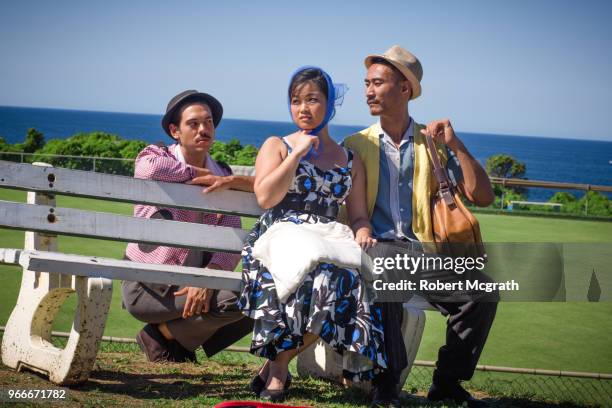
{"type": "Point", "coordinates": [406, 63]}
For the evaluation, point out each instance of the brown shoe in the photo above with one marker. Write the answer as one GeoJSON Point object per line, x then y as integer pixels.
{"type": "Point", "coordinates": [153, 344]}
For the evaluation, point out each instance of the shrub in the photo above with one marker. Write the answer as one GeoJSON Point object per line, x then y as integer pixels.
{"type": "Point", "coordinates": [234, 153]}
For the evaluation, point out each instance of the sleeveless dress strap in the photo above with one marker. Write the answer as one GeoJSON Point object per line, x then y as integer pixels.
{"type": "Point", "coordinates": [286, 144]}
{"type": "Point", "coordinates": [349, 156]}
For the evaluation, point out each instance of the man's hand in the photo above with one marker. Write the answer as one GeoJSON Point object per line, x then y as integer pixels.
{"type": "Point", "coordinates": [442, 132]}
{"type": "Point", "coordinates": [198, 300]}
{"type": "Point", "coordinates": [213, 182]}
{"type": "Point", "coordinates": [475, 184]}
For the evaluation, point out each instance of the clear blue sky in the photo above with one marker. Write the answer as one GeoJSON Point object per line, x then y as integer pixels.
{"type": "Point", "coordinates": [538, 68]}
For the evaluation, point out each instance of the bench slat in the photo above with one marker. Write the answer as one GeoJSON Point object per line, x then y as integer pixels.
{"type": "Point", "coordinates": [90, 266]}
{"type": "Point", "coordinates": [125, 189]}
{"type": "Point", "coordinates": [116, 227]}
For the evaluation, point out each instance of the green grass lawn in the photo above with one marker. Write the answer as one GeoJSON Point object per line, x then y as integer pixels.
{"type": "Point", "coordinates": [121, 377]}
{"type": "Point", "coordinates": [564, 336]}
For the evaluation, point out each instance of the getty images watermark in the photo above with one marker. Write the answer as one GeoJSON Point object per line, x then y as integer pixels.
{"type": "Point", "coordinates": [538, 272]}
{"type": "Point", "coordinates": [444, 266]}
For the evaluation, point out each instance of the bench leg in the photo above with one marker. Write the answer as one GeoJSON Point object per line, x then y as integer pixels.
{"type": "Point", "coordinates": [321, 361]}
{"type": "Point", "coordinates": [26, 341]}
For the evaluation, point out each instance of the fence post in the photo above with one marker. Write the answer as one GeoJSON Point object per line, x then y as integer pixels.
{"type": "Point", "coordinates": [94, 164]}
{"type": "Point", "coordinates": [586, 200]}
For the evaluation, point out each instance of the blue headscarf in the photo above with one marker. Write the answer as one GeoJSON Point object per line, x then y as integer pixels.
{"type": "Point", "coordinates": [335, 95]}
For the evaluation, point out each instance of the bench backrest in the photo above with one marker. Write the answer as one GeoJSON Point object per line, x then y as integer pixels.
{"type": "Point", "coordinates": [92, 224]}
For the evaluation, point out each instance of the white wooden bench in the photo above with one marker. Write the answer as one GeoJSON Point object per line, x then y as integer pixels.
{"type": "Point", "coordinates": [50, 276]}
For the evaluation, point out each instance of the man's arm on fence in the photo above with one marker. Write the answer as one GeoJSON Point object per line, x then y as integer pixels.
{"type": "Point", "coordinates": [215, 183]}
{"type": "Point", "coordinates": [157, 163]}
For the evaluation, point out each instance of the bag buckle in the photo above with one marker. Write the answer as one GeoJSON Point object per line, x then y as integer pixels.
{"type": "Point", "coordinates": [446, 194]}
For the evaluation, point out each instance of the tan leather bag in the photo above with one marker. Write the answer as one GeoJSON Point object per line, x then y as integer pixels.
{"type": "Point", "coordinates": [456, 231]}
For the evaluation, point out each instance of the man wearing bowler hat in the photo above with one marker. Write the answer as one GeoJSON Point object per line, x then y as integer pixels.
{"type": "Point", "coordinates": [180, 319]}
{"type": "Point", "coordinates": [400, 185]}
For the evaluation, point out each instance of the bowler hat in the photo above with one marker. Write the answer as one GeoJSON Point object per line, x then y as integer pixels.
{"type": "Point", "coordinates": [187, 97]}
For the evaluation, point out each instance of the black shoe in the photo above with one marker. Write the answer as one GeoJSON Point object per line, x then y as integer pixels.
{"type": "Point", "coordinates": [153, 344]}
{"type": "Point", "coordinates": [180, 354]}
{"type": "Point", "coordinates": [453, 390]}
{"type": "Point", "coordinates": [385, 395]}
{"type": "Point", "coordinates": [385, 391]}
{"type": "Point", "coordinates": [274, 395]}
{"type": "Point", "coordinates": [258, 384]}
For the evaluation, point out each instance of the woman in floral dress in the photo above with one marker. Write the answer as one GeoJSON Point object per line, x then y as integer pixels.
{"type": "Point", "coordinates": [304, 178]}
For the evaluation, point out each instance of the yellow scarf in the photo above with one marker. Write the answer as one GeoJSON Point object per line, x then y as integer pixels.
{"type": "Point", "coordinates": [367, 145]}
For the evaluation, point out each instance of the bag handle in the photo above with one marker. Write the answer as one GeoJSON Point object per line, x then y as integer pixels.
{"type": "Point", "coordinates": [445, 186]}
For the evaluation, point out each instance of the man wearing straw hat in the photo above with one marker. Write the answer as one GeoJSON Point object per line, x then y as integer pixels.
{"type": "Point", "coordinates": [400, 183]}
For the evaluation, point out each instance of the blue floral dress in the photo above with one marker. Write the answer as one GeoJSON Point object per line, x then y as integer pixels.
{"type": "Point", "coordinates": [331, 301]}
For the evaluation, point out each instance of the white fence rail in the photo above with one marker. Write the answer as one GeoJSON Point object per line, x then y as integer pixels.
{"type": "Point", "coordinates": [250, 170]}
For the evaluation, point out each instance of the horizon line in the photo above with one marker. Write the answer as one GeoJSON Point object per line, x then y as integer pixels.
{"type": "Point", "coordinates": [280, 121]}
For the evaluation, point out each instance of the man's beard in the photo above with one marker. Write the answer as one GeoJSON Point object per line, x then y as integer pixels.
{"type": "Point", "coordinates": [375, 110]}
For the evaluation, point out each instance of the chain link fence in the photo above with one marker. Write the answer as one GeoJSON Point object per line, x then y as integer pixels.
{"type": "Point", "coordinates": [503, 389]}
{"type": "Point", "coordinates": [514, 389]}
{"type": "Point", "coordinates": [496, 384]}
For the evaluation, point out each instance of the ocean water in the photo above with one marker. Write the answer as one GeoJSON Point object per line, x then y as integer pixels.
{"type": "Point", "coordinates": [549, 159]}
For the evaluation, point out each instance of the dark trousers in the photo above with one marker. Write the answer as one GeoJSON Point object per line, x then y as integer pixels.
{"type": "Point", "coordinates": [468, 324]}
{"type": "Point", "coordinates": [222, 326]}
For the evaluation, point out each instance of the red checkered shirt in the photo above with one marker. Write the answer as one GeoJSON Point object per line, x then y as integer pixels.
{"type": "Point", "coordinates": [166, 164]}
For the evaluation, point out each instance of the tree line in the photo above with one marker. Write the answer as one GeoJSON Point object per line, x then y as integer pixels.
{"type": "Point", "coordinates": [105, 145]}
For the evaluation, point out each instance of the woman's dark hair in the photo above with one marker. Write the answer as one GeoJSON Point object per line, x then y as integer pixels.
{"type": "Point", "coordinates": [309, 74]}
